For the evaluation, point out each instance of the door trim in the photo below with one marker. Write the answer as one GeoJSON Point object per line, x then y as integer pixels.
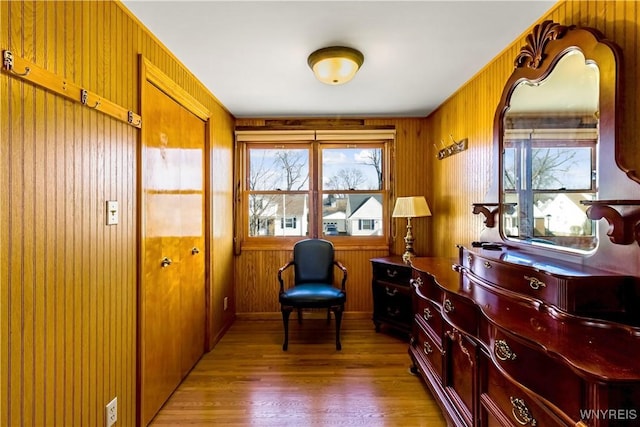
{"type": "Point", "coordinates": [151, 73]}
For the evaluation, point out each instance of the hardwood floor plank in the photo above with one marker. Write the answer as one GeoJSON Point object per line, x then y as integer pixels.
{"type": "Point", "coordinates": [247, 380]}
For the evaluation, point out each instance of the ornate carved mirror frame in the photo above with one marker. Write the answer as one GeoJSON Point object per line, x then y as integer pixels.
{"type": "Point", "coordinates": [618, 191]}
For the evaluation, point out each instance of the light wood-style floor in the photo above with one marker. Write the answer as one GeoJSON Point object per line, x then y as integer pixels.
{"type": "Point", "coordinates": [247, 380]}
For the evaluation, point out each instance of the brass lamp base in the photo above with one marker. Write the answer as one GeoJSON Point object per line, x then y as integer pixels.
{"type": "Point", "coordinates": [407, 257]}
{"type": "Point", "coordinates": [408, 254]}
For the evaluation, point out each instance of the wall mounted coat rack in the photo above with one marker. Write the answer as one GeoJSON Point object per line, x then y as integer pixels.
{"type": "Point", "coordinates": [25, 70]}
{"type": "Point", "coordinates": [455, 148]}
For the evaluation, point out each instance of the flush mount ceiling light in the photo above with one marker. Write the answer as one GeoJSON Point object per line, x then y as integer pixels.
{"type": "Point", "coordinates": [335, 65]}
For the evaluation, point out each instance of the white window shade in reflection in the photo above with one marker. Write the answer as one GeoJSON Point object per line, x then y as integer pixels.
{"type": "Point", "coordinates": [173, 215]}
{"type": "Point", "coordinates": [170, 169]}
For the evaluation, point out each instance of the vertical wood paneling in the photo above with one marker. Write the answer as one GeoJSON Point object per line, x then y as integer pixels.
{"type": "Point", "coordinates": [5, 305]}
{"type": "Point", "coordinates": [68, 286]}
{"type": "Point", "coordinates": [464, 179]}
{"type": "Point", "coordinates": [257, 284]}
{"type": "Point", "coordinates": [68, 283]}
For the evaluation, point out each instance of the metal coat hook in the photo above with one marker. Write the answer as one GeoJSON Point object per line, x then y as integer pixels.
{"type": "Point", "coordinates": [8, 64]}
{"type": "Point", "coordinates": [456, 147]}
{"type": "Point", "coordinates": [84, 97]}
{"type": "Point", "coordinates": [131, 119]}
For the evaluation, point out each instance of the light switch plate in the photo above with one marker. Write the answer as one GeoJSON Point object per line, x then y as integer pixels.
{"type": "Point", "coordinates": [113, 212]}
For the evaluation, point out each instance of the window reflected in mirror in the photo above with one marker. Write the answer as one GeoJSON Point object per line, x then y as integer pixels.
{"type": "Point", "coordinates": [550, 152]}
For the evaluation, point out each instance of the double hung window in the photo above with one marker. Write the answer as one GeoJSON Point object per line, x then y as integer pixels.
{"type": "Point", "coordinates": [545, 174]}
{"type": "Point", "coordinates": [313, 185]}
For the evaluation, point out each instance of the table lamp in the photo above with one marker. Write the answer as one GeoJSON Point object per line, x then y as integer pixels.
{"type": "Point", "coordinates": [410, 207]}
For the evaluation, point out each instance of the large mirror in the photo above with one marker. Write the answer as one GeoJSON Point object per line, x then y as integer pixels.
{"type": "Point", "coordinates": [553, 125]}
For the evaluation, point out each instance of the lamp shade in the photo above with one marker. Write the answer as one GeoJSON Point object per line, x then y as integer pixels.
{"type": "Point", "coordinates": [411, 207]}
{"type": "Point", "coordinates": [335, 65]}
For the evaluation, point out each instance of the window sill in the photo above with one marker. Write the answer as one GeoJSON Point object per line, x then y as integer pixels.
{"type": "Point", "coordinates": [358, 245]}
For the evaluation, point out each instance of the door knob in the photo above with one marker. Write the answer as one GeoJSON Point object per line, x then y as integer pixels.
{"type": "Point", "coordinates": [165, 262]}
{"type": "Point", "coordinates": [195, 251]}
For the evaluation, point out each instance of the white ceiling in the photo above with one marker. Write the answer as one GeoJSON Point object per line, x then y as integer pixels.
{"type": "Point", "coordinates": [252, 55]}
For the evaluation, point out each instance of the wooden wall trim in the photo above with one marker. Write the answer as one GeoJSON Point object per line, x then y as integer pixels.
{"type": "Point", "coordinates": [18, 67]}
{"type": "Point", "coordinates": [163, 82]}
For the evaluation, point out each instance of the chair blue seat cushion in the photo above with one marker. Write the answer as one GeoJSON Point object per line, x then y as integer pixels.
{"type": "Point", "coordinates": [310, 294]}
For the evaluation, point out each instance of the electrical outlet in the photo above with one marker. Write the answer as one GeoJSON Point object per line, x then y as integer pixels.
{"type": "Point", "coordinates": [111, 411]}
{"type": "Point", "coordinates": [225, 303]}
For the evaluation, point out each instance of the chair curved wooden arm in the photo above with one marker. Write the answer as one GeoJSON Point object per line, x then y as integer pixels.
{"type": "Point", "coordinates": [280, 271]}
{"type": "Point", "coordinates": [313, 261]}
{"type": "Point", "coordinates": [344, 273]}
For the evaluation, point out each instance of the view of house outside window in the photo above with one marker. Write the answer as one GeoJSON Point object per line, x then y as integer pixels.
{"type": "Point", "coordinates": [352, 199]}
{"type": "Point", "coordinates": [555, 177]}
{"type": "Point", "coordinates": [282, 180]}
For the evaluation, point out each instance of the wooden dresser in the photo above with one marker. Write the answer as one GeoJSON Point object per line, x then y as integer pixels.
{"type": "Point", "coordinates": [391, 291]}
{"type": "Point", "coordinates": [505, 338]}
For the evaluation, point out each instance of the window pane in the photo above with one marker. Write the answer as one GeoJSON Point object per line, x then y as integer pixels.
{"type": "Point", "coordinates": [352, 215]}
{"type": "Point", "coordinates": [552, 168]}
{"type": "Point", "coordinates": [511, 170]}
{"type": "Point", "coordinates": [558, 219]}
{"type": "Point", "coordinates": [278, 169]}
{"type": "Point", "coordinates": [278, 214]}
{"type": "Point", "coordinates": [561, 168]}
{"type": "Point", "coordinates": [352, 169]}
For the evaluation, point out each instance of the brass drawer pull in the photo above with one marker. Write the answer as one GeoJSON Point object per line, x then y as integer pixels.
{"type": "Point", "coordinates": [418, 281]}
{"type": "Point", "coordinates": [165, 262]}
{"type": "Point", "coordinates": [503, 351]}
{"type": "Point", "coordinates": [448, 306]}
{"type": "Point", "coordinates": [392, 273]}
{"type": "Point", "coordinates": [469, 259]}
{"type": "Point", "coordinates": [389, 292]}
{"type": "Point", "coordinates": [393, 313]}
{"type": "Point", "coordinates": [427, 313]}
{"type": "Point", "coordinates": [487, 264]}
{"type": "Point", "coordinates": [535, 283]}
{"type": "Point", "coordinates": [427, 348]}
{"type": "Point", "coordinates": [521, 413]}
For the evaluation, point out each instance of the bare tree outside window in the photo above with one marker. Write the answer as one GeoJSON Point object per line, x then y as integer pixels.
{"type": "Point", "coordinates": [374, 158]}
{"type": "Point", "coordinates": [274, 170]}
{"type": "Point", "coordinates": [347, 179]}
{"type": "Point", "coordinates": [549, 169]}
{"type": "Point", "coordinates": [295, 169]}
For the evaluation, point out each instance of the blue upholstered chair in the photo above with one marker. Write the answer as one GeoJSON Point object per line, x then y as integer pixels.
{"type": "Point", "coordinates": [313, 261]}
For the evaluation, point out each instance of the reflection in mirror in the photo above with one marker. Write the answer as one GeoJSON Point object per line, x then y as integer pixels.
{"type": "Point", "coordinates": [549, 150]}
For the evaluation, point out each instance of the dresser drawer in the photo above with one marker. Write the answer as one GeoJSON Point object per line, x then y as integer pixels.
{"type": "Point", "coordinates": [537, 371]}
{"type": "Point", "coordinates": [575, 289]}
{"type": "Point", "coordinates": [392, 273]}
{"type": "Point", "coordinates": [505, 401]}
{"type": "Point", "coordinates": [392, 302]}
{"type": "Point", "coordinates": [426, 287]}
{"type": "Point", "coordinates": [533, 283]}
{"type": "Point", "coordinates": [427, 349]}
{"type": "Point", "coordinates": [429, 317]}
{"type": "Point", "coordinates": [460, 312]}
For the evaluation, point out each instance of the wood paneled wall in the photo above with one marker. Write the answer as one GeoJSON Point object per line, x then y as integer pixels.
{"type": "Point", "coordinates": [256, 271]}
{"type": "Point", "coordinates": [68, 287]}
{"type": "Point", "coordinates": [463, 179]}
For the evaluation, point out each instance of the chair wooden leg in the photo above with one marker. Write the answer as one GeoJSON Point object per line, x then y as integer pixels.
{"type": "Point", "coordinates": [300, 316]}
{"type": "Point", "coordinates": [338, 312]}
{"type": "Point", "coordinates": [285, 320]}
